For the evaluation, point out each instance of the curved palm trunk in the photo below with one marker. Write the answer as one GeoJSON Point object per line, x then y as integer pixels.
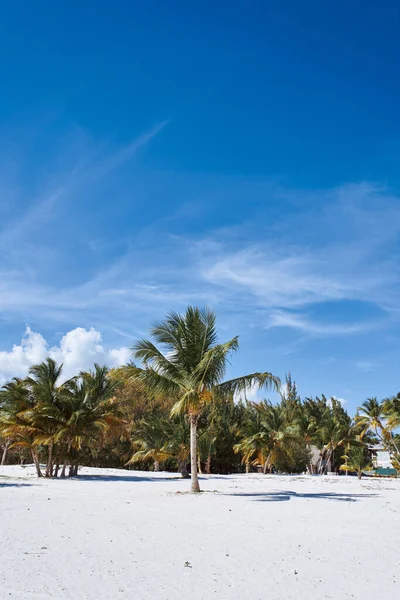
{"type": "Point", "coordinates": [35, 459]}
{"type": "Point", "coordinates": [156, 465]}
{"type": "Point", "coordinates": [195, 487]}
{"type": "Point", "coordinates": [199, 466]}
{"type": "Point", "coordinates": [247, 466]}
{"type": "Point", "coordinates": [6, 447]}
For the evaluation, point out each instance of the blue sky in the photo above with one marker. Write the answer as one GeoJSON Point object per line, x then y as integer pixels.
{"type": "Point", "coordinates": [240, 155]}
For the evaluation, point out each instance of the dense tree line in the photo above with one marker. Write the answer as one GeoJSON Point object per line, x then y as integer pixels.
{"type": "Point", "coordinates": [177, 412]}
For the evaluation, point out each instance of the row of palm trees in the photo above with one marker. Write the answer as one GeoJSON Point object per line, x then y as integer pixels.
{"type": "Point", "coordinates": [177, 407]}
{"type": "Point", "coordinates": [58, 420]}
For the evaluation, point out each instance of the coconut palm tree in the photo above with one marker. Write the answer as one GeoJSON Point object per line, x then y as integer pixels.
{"type": "Point", "coordinates": [281, 436]}
{"type": "Point", "coordinates": [381, 418]}
{"type": "Point", "coordinates": [17, 403]}
{"type": "Point", "coordinates": [356, 460]}
{"type": "Point", "coordinates": [187, 363]}
{"type": "Point", "coordinates": [150, 440]}
{"type": "Point", "coordinates": [45, 387]}
{"type": "Point", "coordinates": [253, 444]}
{"type": "Point", "coordinates": [89, 413]}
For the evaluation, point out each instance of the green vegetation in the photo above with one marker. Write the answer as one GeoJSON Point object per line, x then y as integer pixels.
{"type": "Point", "coordinates": [176, 409]}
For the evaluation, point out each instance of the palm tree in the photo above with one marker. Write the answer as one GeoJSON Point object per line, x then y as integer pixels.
{"type": "Point", "coordinates": [45, 387]}
{"type": "Point", "coordinates": [356, 460]}
{"type": "Point", "coordinates": [206, 447]}
{"type": "Point", "coordinates": [188, 364]}
{"type": "Point", "coordinates": [253, 444]}
{"type": "Point", "coordinates": [17, 403]}
{"type": "Point", "coordinates": [381, 418]}
{"type": "Point", "coordinates": [150, 439]}
{"type": "Point", "coordinates": [280, 436]}
{"type": "Point", "coordinates": [371, 415]}
{"type": "Point", "coordinates": [89, 413]}
{"type": "Point", "coordinates": [178, 445]}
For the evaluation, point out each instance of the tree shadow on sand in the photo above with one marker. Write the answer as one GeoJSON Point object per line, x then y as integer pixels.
{"type": "Point", "coordinates": [126, 478]}
{"type": "Point", "coordinates": [286, 496]}
{"type": "Point", "coordinates": [8, 484]}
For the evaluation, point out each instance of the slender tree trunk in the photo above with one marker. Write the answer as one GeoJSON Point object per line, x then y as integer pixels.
{"type": "Point", "coordinates": [247, 466]}
{"type": "Point", "coordinates": [265, 468]}
{"type": "Point", "coordinates": [156, 465]}
{"type": "Point", "coordinates": [75, 470]}
{"type": "Point", "coordinates": [35, 459]}
{"type": "Point", "coordinates": [208, 465]}
{"type": "Point", "coordinates": [49, 461]}
{"type": "Point", "coordinates": [57, 469]}
{"type": "Point", "coordinates": [195, 487]}
{"type": "Point", "coordinates": [64, 468]}
{"type": "Point", "coordinates": [360, 474]}
{"type": "Point", "coordinates": [5, 450]}
{"type": "Point", "coordinates": [71, 470]}
{"type": "Point", "coordinates": [182, 465]}
{"type": "Point", "coordinates": [199, 466]}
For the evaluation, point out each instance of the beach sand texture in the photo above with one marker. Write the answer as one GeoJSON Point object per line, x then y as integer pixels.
{"type": "Point", "coordinates": [112, 534]}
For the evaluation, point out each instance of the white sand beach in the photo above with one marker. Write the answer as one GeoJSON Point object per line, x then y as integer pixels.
{"type": "Point", "coordinates": [113, 534]}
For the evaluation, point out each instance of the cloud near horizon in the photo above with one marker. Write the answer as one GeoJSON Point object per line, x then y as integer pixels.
{"type": "Point", "coordinates": [77, 350]}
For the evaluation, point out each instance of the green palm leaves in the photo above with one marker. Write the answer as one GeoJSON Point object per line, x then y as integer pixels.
{"type": "Point", "coordinates": [186, 362]}
{"type": "Point", "coordinates": [382, 419]}
{"type": "Point", "coordinates": [59, 419]}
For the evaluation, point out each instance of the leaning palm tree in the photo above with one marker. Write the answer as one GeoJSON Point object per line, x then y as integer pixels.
{"type": "Point", "coordinates": [188, 364]}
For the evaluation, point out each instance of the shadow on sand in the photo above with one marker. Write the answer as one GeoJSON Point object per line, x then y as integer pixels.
{"type": "Point", "coordinates": [8, 484]}
{"type": "Point", "coordinates": [126, 478]}
{"type": "Point", "coordinates": [285, 496]}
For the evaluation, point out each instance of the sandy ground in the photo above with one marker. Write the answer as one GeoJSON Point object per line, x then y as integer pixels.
{"type": "Point", "coordinates": [120, 534]}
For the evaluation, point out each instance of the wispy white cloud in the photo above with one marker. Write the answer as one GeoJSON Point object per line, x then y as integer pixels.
{"type": "Point", "coordinates": [85, 169]}
{"type": "Point", "coordinates": [366, 365]}
{"type": "Point", "coordinates": [282, 318]}
{"type": "Point", "coordinates": [341, 250]}
{"type": "Point", "coordinates": [281, 264]}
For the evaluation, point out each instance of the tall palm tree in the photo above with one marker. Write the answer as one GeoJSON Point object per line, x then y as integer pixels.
{"type": "Point", "coordinates": [187, 363]}
{"type": "Point", "coordinates": [45, 387]}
